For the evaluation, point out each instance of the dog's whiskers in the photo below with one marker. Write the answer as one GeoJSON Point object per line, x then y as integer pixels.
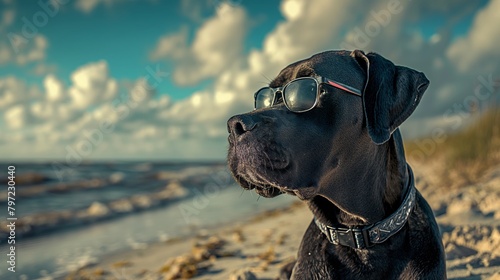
{"type": "Point", "coordinates": [267, 78]}
{"type": "Point", "coordinates": [271, 165]}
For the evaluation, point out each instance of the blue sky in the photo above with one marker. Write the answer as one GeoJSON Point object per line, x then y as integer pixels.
{"type": "Point", "coordinates": [125, 33]}
{"type": "Point", "coordinates": [88, 59]}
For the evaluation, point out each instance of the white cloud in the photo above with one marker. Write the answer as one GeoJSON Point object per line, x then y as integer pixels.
{"type": "Point", "coordinates": [479, 48]}
{"type": "Point", "coordinates": [88, 6]}
{"type": "Point", "coordinates": [173, 45]}
{"type": "Point", "coordinates": [292, 9]}
{"type": "Point", "coordinates": [146, 132]}
{"type": "Point", "coordinates": [216, 46]}
{"type": "Point", "coordinates": [33, 50]}
{"type": "Point", "coordinates": [92, 85]}
{"type": "Point", "coordinates": [16, 116]}
{"type": "Point", "coordinates": [14, 91]}
{"type": "Point", "coordinates": [306, 32]}
{"type": "Point", "coordinates": [53, 88]}
{"type": "Point", "coordinates": [22, 51]}
{"type": "Point", "coordinates": [142, 92]}
{"type": "Point", "coordinates": [54, 113]}
{"type": "Point", "coordinates": [35, 53]}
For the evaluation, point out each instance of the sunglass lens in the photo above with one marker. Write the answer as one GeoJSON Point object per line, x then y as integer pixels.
{"type": "Point", "coordinates": [264, 98]}
{"type": "Point", "coordinates": [300, 95]}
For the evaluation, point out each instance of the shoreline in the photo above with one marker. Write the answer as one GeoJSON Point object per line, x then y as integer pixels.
{"type": "Point", "coordinates": [252, 245]}
{"type": "Point", "coordinates": [262, 244]}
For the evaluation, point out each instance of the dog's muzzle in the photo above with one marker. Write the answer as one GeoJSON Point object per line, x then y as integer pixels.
{"type": "Point", "coordinates": [255, 159]}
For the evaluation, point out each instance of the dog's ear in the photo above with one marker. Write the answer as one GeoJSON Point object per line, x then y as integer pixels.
{"type": "Point", "coordinates": [390, 95]}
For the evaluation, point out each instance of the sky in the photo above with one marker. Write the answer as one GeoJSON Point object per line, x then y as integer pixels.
{"type": "Point", "coordinates": [157, 80]}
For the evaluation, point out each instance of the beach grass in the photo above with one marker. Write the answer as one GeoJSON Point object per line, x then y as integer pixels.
{"type": "Point", "coordinates": [465, 155]}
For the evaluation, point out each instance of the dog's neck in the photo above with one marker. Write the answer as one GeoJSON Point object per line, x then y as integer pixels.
{"type": "Point", "coordinates": [387, 174]}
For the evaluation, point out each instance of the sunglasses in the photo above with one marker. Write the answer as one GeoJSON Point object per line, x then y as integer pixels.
{"type": "Point", "coordinates": [299, 95]}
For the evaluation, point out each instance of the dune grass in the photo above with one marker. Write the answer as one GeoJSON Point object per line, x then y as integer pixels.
{"type": "Point", "coordinates": [478, 142]}
{"type": "Point", "coordinates": [466, 154]}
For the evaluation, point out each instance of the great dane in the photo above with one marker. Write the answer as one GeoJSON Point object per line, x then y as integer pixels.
{"type": "Point", "coordinates": [326, 131]}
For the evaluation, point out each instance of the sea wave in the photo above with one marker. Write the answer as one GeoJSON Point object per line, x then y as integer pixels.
{"type": "Point", "coordinates": [120, 191]}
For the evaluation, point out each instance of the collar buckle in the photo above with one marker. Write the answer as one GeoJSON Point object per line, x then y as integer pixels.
{"type": "Point", "coordinates": [353, 237]}
{"type": "Point", "coordinates": [361, 237]}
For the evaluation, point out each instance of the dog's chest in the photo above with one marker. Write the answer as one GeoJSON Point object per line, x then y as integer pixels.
{"type": "Point", "coordinates": [312, 270]}
{"type": "Point", "coordinates": [312, 262]}
{"type": "Point", "coordinates": [318, 265]}
{"type": "Point", "coordinates": [319, 259]}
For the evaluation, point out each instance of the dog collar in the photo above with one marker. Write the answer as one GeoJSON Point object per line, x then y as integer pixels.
{"type": "Point", "coordinates": [366, 236]}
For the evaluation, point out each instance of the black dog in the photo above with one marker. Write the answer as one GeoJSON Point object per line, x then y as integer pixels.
{"type": "Point", "coordinates": [343, 154]}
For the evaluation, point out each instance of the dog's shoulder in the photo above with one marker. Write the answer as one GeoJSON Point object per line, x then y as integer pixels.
{"type": "Point", "coordinates": [428, 251]}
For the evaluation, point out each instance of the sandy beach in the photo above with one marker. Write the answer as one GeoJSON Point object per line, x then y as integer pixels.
{"type": "Point", "coordinates": [256, 248]}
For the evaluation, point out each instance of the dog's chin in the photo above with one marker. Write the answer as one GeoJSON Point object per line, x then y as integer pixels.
{"type": "Point", "coordinates": [255, 180]}
{"type": "Point", "coordinates": [267, 191]}
{"type": "Point", "coordinates": [270, 182]}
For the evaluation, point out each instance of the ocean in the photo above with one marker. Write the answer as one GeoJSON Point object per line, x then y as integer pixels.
{"type": "Point", "coordinates": [71, 217]}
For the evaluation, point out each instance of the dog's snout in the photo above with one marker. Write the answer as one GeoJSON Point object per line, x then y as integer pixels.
{"type": "Point", "coordinates": [240, 124]}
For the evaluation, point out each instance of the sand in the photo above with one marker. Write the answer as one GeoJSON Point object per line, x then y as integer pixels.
{"type": "Point", "coordinates": [469, 218]}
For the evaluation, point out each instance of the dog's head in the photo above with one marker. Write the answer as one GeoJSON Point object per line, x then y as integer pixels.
{"type": "Point", "coordinates": [323, 151]}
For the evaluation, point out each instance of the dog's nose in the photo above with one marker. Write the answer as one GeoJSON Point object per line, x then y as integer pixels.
{"type": "Point", "coordinates": [240, 124]}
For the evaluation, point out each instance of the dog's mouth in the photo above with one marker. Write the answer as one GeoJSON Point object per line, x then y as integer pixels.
{"type": "Point", "coordinates": [266, 190]}
{"type": "Point", "coordinates": [267, 176]}
{"type": "Point", "coordinates": [270, 190]}
{"type": "Point", "coordinates": [261, 177]}
{"type": "Point", "coordinates": [257, 165]}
